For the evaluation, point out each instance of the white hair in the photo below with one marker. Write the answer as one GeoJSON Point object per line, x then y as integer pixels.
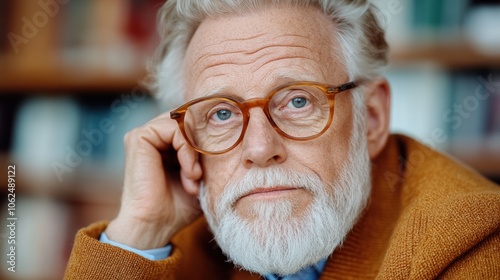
{"type": "Point", "coordinates": [362, 44]}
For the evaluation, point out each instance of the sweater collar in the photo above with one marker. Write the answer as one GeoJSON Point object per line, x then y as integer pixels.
{"type": "Point", "coordinates": [376, 224]}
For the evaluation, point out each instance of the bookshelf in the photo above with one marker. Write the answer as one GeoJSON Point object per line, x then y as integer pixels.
{"type": "Point", "coordinates": [89, 56]}
{"type": "Point", "coordinates": [59, 78]}
{"type": "Point", "coordinates": [102, 191]}
{"type": "Point", "coordinates": [459, 54]}
{"type": "Point", "coordinates": [454, 57]}
{"type": "Point", "coordinates": [485, 161]}
{"type": "Point", "coordinates": [95, 69]}
{"type": "Point", "coordinates": [437, 64]}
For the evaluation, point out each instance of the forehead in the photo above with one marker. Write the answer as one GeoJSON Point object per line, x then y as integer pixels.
{"type": "Point", "coordinates": [265, 46]}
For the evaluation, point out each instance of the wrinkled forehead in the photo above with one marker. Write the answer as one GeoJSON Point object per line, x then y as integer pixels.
{"type": "Point", "coordinates": [308, 21]}
{"type": "Point", "coordinates": [259, 37]}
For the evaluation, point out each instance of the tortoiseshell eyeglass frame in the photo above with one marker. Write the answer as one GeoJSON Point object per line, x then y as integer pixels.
{"type": "Point", "coordinates": [245, 106]}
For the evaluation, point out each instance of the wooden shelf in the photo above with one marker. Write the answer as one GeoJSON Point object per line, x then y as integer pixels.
{"type": "Point", "coordinates": [76, 194]}
{"type": "Point", "coordinates": [100, 54]}
{"type": "Point", "coordinates": [484, 164]}
{"type": "Point", "coordinates": [50, 74]}
{"type": "Point", "coordinates": [449, 55]}
{"type": "Point", "coordinates": [485, 160]}
{"type": "Point", "coordinates": [62, 80]}
{"type": "Point", "coordinates": [47, 74]}
{"type": "Point", "coordinates": [99, 191]}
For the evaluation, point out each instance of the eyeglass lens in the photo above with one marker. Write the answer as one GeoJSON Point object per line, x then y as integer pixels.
{"type": "Point", "coordinates": [214, 125]}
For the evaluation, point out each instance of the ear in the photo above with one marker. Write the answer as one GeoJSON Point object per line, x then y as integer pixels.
{"type": "Point", "coordinates": [378, 107]}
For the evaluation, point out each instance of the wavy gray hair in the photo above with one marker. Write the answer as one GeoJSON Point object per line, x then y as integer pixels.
{"type": "Point", "coordinates": [363, 46]}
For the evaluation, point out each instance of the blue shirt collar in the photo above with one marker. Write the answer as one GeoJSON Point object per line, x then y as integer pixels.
{"type": "Point", "coordinates": [309, 273]}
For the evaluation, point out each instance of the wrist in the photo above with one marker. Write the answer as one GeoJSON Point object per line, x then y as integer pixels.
{"type": "Point", "coordinates": [151, 254]}
{"type": "Point", "coordinates": [138, 234]}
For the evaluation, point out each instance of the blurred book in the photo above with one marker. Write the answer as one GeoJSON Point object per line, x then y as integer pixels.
{"type": "Point", "coordinates": [60, 140]}
{"type": "Point", "coordinates": [419, 98]}
{"type": "Point", "coordinates": [125, 117]}
{"type": "Point", "coordinates": [493, 118]}
{"type": "Point", "coordinates": [467, 114]}
{"type": "Point", "coordinates": [92, 135]}
{"type": "Point", "coordinates": [438, 18]}
{"type": "Point", "coordinates": [4, 24]}
{"type": "Point", "coordinates": [44, 132]}
{"type": "Point", "coordinates": [8, 107]}
{"type": "Point", "coordinates": [75, 29]}
{"type": "Point", "coordinates": [41, 228]}
{"type": "Point", "coordinates": [481, 26]}
{"type": "Point", "coordinates": [493, 124]}
{"type": "Point", "coordinates": [142, 16]}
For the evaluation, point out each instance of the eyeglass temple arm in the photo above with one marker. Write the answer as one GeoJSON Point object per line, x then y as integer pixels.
{"type": "Point", "coordinates": [344, 87]}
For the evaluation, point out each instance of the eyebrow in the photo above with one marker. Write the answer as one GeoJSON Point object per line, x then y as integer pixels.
{"type": "Point", "coordinates": [216, 91]}
{"type": "Point", "coordinates": [282, 78]}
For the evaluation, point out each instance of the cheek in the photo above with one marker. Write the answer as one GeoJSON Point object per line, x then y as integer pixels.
{"type": "Point", "coordinates": [217, 172]}
{"type": "Point", "coordinates": [326, 154]}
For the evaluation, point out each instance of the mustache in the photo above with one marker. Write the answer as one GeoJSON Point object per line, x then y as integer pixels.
{"type": "Point", "coordinates": [269, 177]}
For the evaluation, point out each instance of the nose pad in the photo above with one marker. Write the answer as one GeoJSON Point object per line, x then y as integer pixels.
{"type": "Point", "coordinates": [262, 144]}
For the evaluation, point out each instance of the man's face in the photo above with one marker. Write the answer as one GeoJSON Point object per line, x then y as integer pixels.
{"type": "Point", "coordinates": [247, 56]}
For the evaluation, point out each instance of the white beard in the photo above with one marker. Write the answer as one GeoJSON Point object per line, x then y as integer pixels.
{"type": "Point", "coordinates": [278, 241]}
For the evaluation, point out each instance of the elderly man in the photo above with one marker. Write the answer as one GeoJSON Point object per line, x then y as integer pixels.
{"type": "Point", "coordinates": [285, 142]}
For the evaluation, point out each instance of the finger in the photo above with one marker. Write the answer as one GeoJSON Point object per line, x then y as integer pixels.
{"type": "Point", "coordinates": [191, 171]}
{"type": "Point", "coordinates": [144, 158]}
{"type": "Point", "coordinates": [160, 131]}
{"type": "Point", "coordinates": [191, 186]}
{"type": "Point", "coordinates": [167, 134]}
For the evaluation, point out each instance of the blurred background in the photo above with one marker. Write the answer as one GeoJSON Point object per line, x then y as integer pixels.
{"type": "Point", "coordinates": [69, 91]}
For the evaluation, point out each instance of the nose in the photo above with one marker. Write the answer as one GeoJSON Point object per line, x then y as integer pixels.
{"type": "Point", "coordinates": [262, 145]}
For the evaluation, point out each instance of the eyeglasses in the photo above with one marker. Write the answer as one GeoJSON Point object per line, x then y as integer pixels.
{"type": "Point", "coordinates": [299, 111]}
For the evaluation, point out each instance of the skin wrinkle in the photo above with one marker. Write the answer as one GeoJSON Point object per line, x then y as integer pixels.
{"type": "Point", "coordinates": [306, 40]}
{"type": "Point", "coordinates": [280, 78]}
{"type": "Point", "coordinates": [312, 68]}
{"type": "Point", "coordinates": [276, 77]}
{"type": "Point", "coordinates": [227, 41]}
{"type": "Point", "coordinates": [249, 56]}
{"type": "Point", "coordinates": [316, 56]}
{"type": "Point", "coordinates": [223, 44]}
{"type": "Point", "coordinates": [247, 52]}
{"type": "Point", "coordinates": [241, 63]}
{"type": "Point", "coordinates": [256, 79]}
{"type": "Point", "coordinates": [284, 58]}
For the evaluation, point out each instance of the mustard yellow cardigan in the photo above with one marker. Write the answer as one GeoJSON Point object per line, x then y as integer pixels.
{"type": "Point", "coordinates": [428, 217]}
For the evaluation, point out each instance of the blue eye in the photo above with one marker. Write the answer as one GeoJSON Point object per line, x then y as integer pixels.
{"type": "Point", "coordinates": [298, 102]}
{"type": "Point", "coordinates": [223, 114]}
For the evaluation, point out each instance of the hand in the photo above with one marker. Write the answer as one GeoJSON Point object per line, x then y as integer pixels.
{"type": "Point", "coordinates": [159, 198]}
